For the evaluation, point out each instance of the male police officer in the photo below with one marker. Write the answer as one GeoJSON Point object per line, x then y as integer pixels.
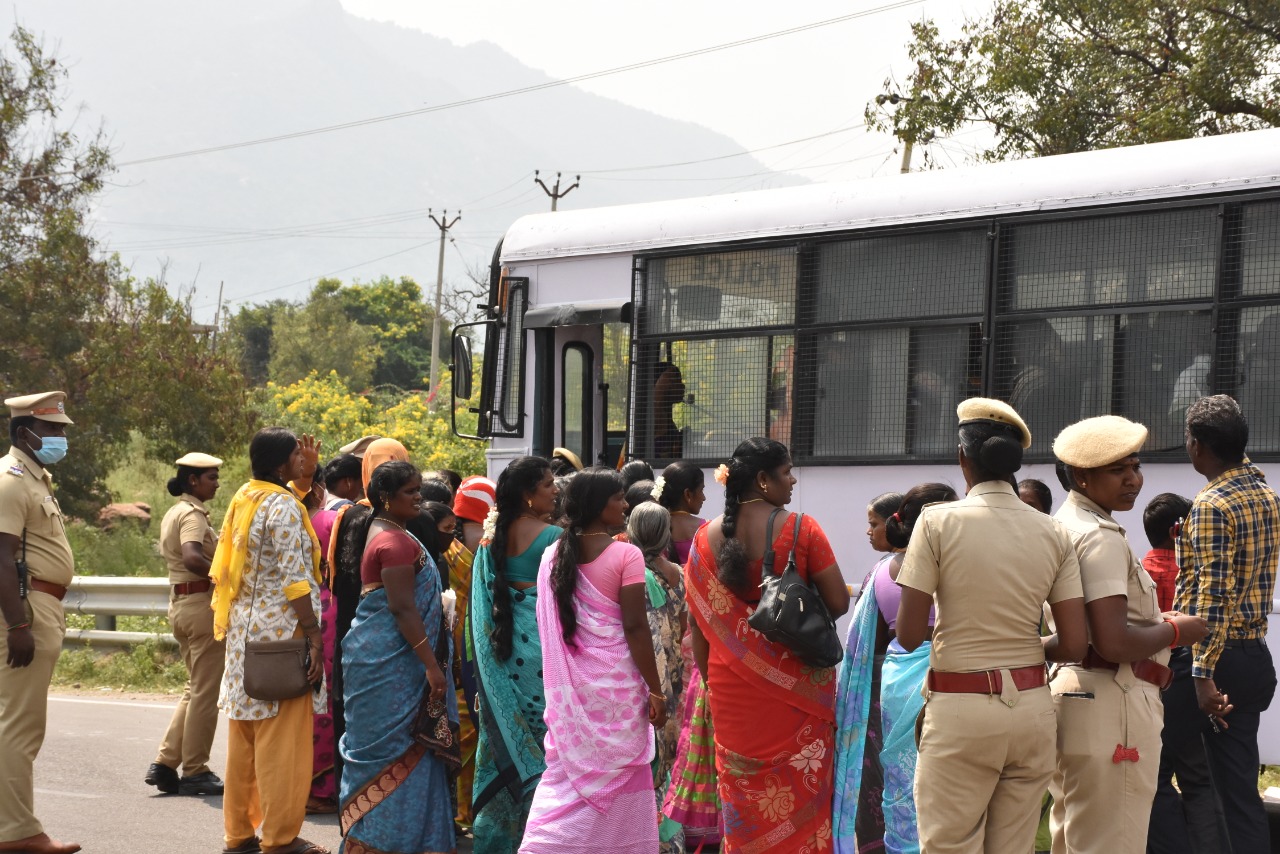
{"type": "Point", "coordinates": [35, 570]}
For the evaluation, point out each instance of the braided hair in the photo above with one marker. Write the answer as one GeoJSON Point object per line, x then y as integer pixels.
{"type": "Point", "coordinates": [750, 458]}
{"type": "Point", "coordinates": [589, 493]}
{"type": "Point", "coordinates": [515, 482]}
{"type": "Point", "coordinates": [899, 525]}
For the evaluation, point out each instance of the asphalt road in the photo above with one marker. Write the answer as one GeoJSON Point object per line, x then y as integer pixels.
{"type": "Point", "coordinates": [89, 785]}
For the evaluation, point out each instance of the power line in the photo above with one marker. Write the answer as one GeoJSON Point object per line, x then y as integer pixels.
{"type": "Point", "coordinates": [318, 276]}
{"type": "Point", "coordinates": [719, 157]}
{"type": "Point", "coordinates": [551, 84]}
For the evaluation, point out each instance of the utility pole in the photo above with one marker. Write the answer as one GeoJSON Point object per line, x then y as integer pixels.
{"type": "Point", "coordinates": [444, 224]}
{"type": "Point", "coordinates": [217, 317]}
{"type": "Point", "coordinates": [554, 192]}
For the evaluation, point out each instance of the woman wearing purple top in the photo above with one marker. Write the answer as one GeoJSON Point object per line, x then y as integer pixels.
{"type": "Point", "coordinates": [886, 694]}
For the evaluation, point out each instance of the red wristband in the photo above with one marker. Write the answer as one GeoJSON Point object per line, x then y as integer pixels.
{"type": "Point", "coordinates": [1176, 634]}
{"type": "Point", "coordinates": [15, 626]}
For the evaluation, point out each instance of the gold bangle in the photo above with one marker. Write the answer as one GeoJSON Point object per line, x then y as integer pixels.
{"type": "Point", "coordinates": [655, 694]}
{"type": "Point", "coordinates": [418, 644]}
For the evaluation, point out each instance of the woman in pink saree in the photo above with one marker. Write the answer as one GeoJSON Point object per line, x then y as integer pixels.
{"type": "Point", "coordinates": [601, 683]}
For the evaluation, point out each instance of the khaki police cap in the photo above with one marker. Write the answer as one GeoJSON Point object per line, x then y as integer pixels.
{"type": "Point", "coordinates": [570, 456]}
{"type": "Point", "coordinates": [47, 406]}
{"type": "Point", "coordinates": [359, 446]}
{"type": "Point", "coordinates": [987, 409]}
{"type": "Point", "coordinates": [1099, 441]}
{"type": "Point", "coordinates": [198, 461]}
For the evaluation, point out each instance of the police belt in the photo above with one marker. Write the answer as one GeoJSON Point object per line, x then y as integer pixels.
{"type": "Point", "coordinates": [186, 588]}
{"type": "Point", "coordinates": [1145, 669]}
{"type": "Point", "coordinates": [57, 591]}
{"type": "Point", "coordinates": [987, 681]}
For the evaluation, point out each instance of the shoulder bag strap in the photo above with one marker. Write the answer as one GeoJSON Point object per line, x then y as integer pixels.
{"type": "Point", "coordinates": [766, 569]}
{"type": "Point", "coordinates": [795, 538]}
{"type": "Point", "coordinates": [257, 567]}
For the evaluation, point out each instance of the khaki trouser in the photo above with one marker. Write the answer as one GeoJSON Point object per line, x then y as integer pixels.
{"type": "Point", "coordinates": [1100, 805]}
{"type": "Point", "coordinates": [268, 775]}
{"type": "Point", "coordinates": [190, 735]}
{"type": "Point", "coordinates": [24, 707]}
{"type": "Point", "coordinates": [984, 764]}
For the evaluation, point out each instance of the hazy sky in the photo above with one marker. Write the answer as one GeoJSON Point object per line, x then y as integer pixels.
{"type": "Point", "coordinates": [225, 217]}
{"type": "Point", "coordinates": [749, 93]}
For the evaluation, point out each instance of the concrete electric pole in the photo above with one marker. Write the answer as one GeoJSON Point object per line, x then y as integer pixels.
{"type": "Point", "coordinates": [444, 224]}
{"type": "Point", "coordinates": [554, 192]}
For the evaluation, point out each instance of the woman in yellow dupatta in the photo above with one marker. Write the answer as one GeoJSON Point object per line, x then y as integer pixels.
{"type": "Point", "coordinates": [266, 574]}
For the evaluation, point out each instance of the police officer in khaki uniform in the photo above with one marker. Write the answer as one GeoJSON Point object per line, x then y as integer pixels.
{"type": "Point", "coordinates": [1109, 708]}
{"type": "Point", "coordinates": [990, 562]}
{"type": "Point", "coordinates": [32, 532]}
{"type": "Point", "coordinates": [187, 541]}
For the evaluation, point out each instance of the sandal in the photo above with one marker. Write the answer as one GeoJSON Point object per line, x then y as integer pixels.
{"type": "Point", "coordinates": [321, 806]}
{"type": "Point", "coordinates": [302, 846]}
{"type": "Point", "coordinates": [252, 845]}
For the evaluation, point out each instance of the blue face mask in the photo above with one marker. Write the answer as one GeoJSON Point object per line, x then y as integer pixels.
{"type": "Point", "coordinates": [52, 451]}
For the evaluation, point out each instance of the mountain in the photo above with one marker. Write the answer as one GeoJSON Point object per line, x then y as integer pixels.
{"type": "Point", "coordinates": [163, 77]}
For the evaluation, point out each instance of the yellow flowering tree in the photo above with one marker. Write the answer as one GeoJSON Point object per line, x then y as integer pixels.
{"type": "Point", "coordinates": [324, 407]}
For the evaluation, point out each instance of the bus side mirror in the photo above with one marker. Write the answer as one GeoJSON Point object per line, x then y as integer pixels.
{"type": "Point", "coordinates": [461, 367]}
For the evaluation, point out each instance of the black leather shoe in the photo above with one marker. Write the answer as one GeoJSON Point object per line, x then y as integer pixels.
{"type": "Point", "coordinates": [207, 783]}
{"type": "Point", "coordinates": [163, 778]}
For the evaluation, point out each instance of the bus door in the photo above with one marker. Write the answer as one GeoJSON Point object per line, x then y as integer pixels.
{"type": "Point", "coordinates": [580, 378]}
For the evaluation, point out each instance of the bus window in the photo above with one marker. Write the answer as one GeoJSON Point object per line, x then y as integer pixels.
{"type": "Point", "coordinates": [577, 426]}
{"type": "Point", "coordinates": [1260, 249]}
{"type": "Point", "coordinates": [615, 368]}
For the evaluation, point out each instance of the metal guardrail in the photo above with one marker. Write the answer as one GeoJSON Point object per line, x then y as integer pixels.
{"type": "Point", "coordinates": [107, 597]}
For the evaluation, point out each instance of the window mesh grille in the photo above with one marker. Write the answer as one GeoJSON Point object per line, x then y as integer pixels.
{"type": "Point", "coordinates": [1258, 352]}
{"type": "Point", "coordinates": [1130, 258]}
{"type": "Point", "coordinates": [702, 293]}
{"type": "Point", "coordinates": [899, 277]}
{"type": "Point", "coordinates": [889, 392]}
{"type": "Point", "coordinates": [699, 398]}
{"type": "Point", "coordinates": [870, 342]}
{"type": "Point", "coordinates": [1260, 249]}
{"type": "Point", "coordinates": [1147, 367]}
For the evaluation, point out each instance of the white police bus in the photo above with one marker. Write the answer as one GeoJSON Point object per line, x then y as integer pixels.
{"type": "Point", "coordinates": [847, 320]}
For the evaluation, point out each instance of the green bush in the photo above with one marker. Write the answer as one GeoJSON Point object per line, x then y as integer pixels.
{"type": "Point", "coordinates": [124, 551]}
{"type": "Point", "coordinates": [146, 667]}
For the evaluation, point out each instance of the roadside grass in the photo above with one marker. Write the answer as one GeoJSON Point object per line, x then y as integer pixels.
{"type": "Point", "coordinates": [1270, 776]}
{"type": "Point", "coordinates": [147, 667]}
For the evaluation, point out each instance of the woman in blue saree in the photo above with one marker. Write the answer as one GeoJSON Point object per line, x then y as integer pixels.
{"type": "Point", "coordinates": [504, 645]}
{"type": "Point", "coordinates": [400, 742]}
{"type": "Point", "coordinates": [900, 699]}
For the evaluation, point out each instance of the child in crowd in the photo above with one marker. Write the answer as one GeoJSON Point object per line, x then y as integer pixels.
{"type": "Point", "coordinates": [1160, 518]}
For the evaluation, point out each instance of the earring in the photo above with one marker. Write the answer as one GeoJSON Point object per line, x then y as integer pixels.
{"type": "Point", "coordinates": [765, 488]}
{"type": "Point", "coordinates": [386, 506]}
{"type": "Point", "coordinates": [530, 503]}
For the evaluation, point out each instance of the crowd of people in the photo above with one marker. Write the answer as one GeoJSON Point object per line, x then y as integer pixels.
{"type": "Point", "coordinates": [564, 660]}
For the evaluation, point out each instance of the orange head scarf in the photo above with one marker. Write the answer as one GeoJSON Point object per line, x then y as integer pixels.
{"type": "Point", "coordinates": [379, 452]}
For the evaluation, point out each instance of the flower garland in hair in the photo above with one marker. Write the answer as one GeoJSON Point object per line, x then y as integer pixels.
{"type": "Point", "coordinates": [722, 474]}
{"type": "Point", "coordinates": [490, 527]}
{"type": "Point", "coordinates": [658, 486]}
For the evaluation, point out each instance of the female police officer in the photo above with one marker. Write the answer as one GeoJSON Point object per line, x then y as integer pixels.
{"type": "Point", "coordinates": [990, 562]}
{"type": "Point", "coordinates": [1109, 710]}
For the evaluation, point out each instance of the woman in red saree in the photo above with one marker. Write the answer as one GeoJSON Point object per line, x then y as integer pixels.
{"type": "Point", "coordinates": [774, 715]}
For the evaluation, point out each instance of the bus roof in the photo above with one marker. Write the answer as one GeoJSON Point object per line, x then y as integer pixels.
{"type": "Point", "coordinates": [1203, 165]}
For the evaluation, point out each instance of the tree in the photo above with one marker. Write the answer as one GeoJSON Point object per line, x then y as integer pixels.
{"type": "Point", "coordinates": [319, 337]}
{"type": "Point", "coordinates": [127, 354]}
{"type": "Point", "coordinates": [1057, 76]}
{"type": "Point", "coordinates": [250, 332]}
{"type": "Point", "coordinates": [400, 320]}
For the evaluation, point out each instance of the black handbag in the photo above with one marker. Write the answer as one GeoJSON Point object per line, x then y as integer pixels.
{"type": "Point", "coordinates": [791, 612]}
